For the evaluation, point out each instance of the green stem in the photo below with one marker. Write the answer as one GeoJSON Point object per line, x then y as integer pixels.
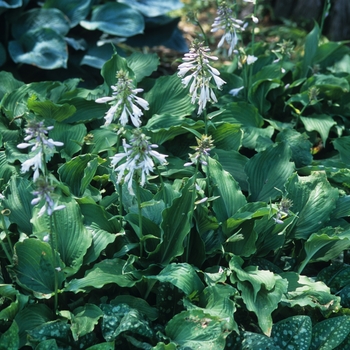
{"type": "Point", "coordinates": [252, 45]}
{"type": "Point", "coordinates": [6, 232]}
{"type": "Point", "coordinates": [140, 218]}
{"type": "Point", "coordinates": [162, 184]}
{"type": "Point", "coordinates": [53, 244]}
{"type": "Point", "coordinates": [194, 193]}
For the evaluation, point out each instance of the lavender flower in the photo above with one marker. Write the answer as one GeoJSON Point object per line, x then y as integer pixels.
{"type": "Point", "coordinates": [124, 102]}
{"type": "Point", "coordinates": [197, 62]}
{"type": "Point", "coordinates": [139, 158]}
{"type": "Point", "coordinates": [44, 191]}
{"type": "Point", "coordinates": [231, 26]}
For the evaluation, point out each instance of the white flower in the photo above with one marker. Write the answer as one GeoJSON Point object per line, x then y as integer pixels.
{"type": "Point", "coordinates": [196, 62]}
{"type": "Point", "coordinates": [35, 163]}
{"type": "Point", "coordinates": [124, 102]}
{"type": "Point", "coordinates": [139, 158]}
{"type": "Point", "coordinates": [235, 92]}
{"type": "Point", "coordinates": [41, 146]}
{"type": "Point", "coordinates": [251, 59]}
{"type": "Point", "coordinates": [227, 22]}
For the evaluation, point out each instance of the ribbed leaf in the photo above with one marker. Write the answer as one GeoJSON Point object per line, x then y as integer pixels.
{"type": "Point", "coordinates": [142, 64]}
{"type": "Point", "coordinates": [153, 8]}
{"type": "Point", "coordinates": [321, 123]}
{"type": "Point", "coordinates": [267, 171]}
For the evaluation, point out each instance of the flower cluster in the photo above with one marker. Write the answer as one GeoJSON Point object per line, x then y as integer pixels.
{"type": "Point", "coordinates": [204, 145]}
{"type": "Point", "coordinates": [42, 147]}
{"type": "Point", "coordinates": [231, 26]}
{"type": "Point", "coordinates": [124, 102]}
{"type": "Point", "coordinates": [139, 158]}
{"type": "Point", "coordinates": [197, 63]}
{"type": "Point", "coordinates": [44, 192]}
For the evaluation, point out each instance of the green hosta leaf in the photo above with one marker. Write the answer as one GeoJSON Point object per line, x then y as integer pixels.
{"type": "Point", "coordinates": [85, 319]}
{"type": "Point", "coordinates": [330, 333]}
{"type": "Point", "coordinates": [6, 170]}
{"type": "Point", "coordinates": [336, 276]}
{"type": "Point", "coordinates": [342, 145]}
{"type": "Point", "coordinates": [259, 91]}
{"type": "Point", "coordinates": [231, 199]}
{"type": "Point", "coordinates": [78, 173]}
{"type": "Point", "coordinates": [40, 18]}
{"type": "Point", "coordinates": [321, 123]}
{"type": "Point", "coordinates": [72, 237]}
{"type": "Point", "coordinates": [166, 127]}
{"type": "Point", "coordinates": [100, 140]}
{"type": "Point", "coordinates": [299, 145]}
{"type": "Point", "coordinates": [110, 69]}
{"type": "Point", "coordinates": [197, 330]}
{"type": "Point", "coordinates": [15, 302]}
{"type": "Point", "coordinates": [42, 47]}
{"type": "Point", "coordinates": [75, 10]}
{"type": "Point", "coordinates": [34, 267]}
{"type": "Point", "coordinates": [311, 46]}
{"type": "Point", "coordinates": [234, 163]}
{"type": "Point", "coordinates": [267, 171]}
{"type": "Point", "coordinates": [306, 293]}
{"type": "Point", "coordinates": [325, 245]}
{"type": "Point", "coordinates": [175, 226]}
{"type": "Point", "coordinates": [104, 272]}
{"type": "Point", "coordinates": [49, 110]}
{"type": "Point", "coordinates": [49, 344]}
{"type": "Point", "coordinates": [18, 196]}
{"type": "Point", "coordinates": [115, 19]}
{"type": "Point", "coordinates": [168, 96]}
{"type": "Point", "coordinates": [142, 64]}
{"type": "Point", "coordinates": [154, 8]}
{"type": "Point", "coordinates": [241, 113]}
{"type": "Point", "coordinates": [72, 137]}
{"type": "Point", "coordinates": [103, 346]}
{"type": "Point", "coordinates": [8, 83]}
{"type": "Point", "coordinates": [261, 291]}
{"type": "Point", "coordinates": [103, 229]}
{"type": "Point", "coordinates": [183, 276]}
{"type": "Point", "coordinates": [10, 340]}
{"type": "Point", "coordinates": [331, 86]}
{"type": "Point", "coordinates": [293, 333]}
{"type": "Point", "coordinates": [228, 137]}
{"type": "Point", "coordinates": [313, 201]}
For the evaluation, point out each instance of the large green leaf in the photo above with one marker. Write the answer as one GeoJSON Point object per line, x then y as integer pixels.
{"type": "Point", "coordinates": [182, 275]}
{"type": "Point", "coordinates": [175, 226]}
{"type": "Point", "coordinates": [142, 64]}
{"type": "Point", "coordinates": [103, 228]}
{"type": "Point", "coordinates": [35, 265]}
{"type": "Point", "coordinates": [311, 46]}
{"type": "Point", "coordinates": [18, 197]}
{"type": "Point", "coordinates": [8, 83]}
{"type": "Point", "coordinates": [115, 19]}
{"type": "Point", "coordinates": [261, 291]}
{"type": "Point", "coordinates": [103, 273]}
{"type": "Point", "coordinates": [325, 245]}
{"type": "Point", "coordinates": [72, 137]}
{"type": "Point", "coordinates": [75, 10]}
{"type": "Point", "coordinates": [231, 199]}
{"type": "Point", "coordinates": [196, 330]}
{"type": "Point", "coordinates": [71, 237]}
{"type": "Point", "coordinates": [313, 201]}
{"type": "Point", "coordinates": [49, 110]}
{"type": "Point", "coordinates": [342, 145]}
{"type": "Point", "coordinates": [304, 292]}
{"type": "Point", "coordinates": [267, 171]}
{"type": "Point", "coordinates": [321, 123]}
{"type": "Point", "coordinates": [78, 173]}
{"type": "Point", "coordinates": [40, 18]}
{"type": "Point", "coordinates": [153, 8]}
{"type": "Point", "coordinates": [42, 47]}
{"type": "Point", "coordinates": [168, 96]}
